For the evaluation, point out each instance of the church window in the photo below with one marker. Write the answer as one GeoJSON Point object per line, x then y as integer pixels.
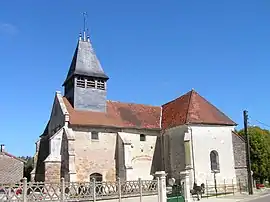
{"type": "Point", "coordinates": [90, 83]}
{"type": "Point", "coordinates": [94, 135]}
{"type": "Point", "coordinates": [142, 137]}
{"type": "Point", "coordinates": [214, 160]}
{"type": "Point", "coordinates": [101, 84]}
{"type": "Point", "coordinates": [80, 82]}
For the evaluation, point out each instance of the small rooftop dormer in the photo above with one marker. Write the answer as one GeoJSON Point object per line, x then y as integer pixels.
{"type": "Point", "coordinates": [85, 84]}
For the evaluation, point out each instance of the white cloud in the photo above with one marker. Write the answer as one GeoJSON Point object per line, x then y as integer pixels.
{"type": "Point", "coordinates": [8, 28]}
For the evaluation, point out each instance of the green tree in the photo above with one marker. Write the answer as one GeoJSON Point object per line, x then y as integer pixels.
{"type": "Point", "coordinates": [259, 152]}
{"type": "Point", "coordinates": [28, 166]}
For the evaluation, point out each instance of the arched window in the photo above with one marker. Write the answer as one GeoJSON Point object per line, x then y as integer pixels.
{"type": "Point", "coordinates": [214, 160]}
{"type": "Point", "coordinates": [96, 176]}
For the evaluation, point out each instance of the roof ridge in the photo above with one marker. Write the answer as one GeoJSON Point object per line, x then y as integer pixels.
{"type": "Point", "coordinates": [175, 99]}
{"type": "Point", "coordinates": [189, 101]}
{"type": "Point", "coordinates": [133, 103]}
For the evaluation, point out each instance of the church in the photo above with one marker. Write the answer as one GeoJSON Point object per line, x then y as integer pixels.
{"type": "Point", "coordinates": [88, 136]}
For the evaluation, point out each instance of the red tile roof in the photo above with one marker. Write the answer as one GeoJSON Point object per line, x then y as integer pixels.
{"type": "Point", "coordinates": [192, 108]}
{"type": "Point", "coordinates": [121, 115]}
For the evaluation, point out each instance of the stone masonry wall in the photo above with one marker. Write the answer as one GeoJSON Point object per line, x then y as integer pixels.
{"type": "Point", "coordinates": [174, 151]}
{"type": "Point", "coordinates": [239, 157]}
{"type": "Point", "coordinates": [157, 164]}
{"type": "Point", "coordinates": [120, 159]}
{"type": "Point", "coordinates": [41, 155]}
{"type": "Point", "coordinates": [241, 175]}
{"type": "Point", "coordinates": [64, 158]}
{"type": "Point", "coordinates": [11, 169]}
{"type": "Point", "coordinates": [95, 156]}
{"type": "Point", "coordinates": [52, 171]}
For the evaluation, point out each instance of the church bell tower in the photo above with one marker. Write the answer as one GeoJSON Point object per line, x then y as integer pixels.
{"type": "Point", "coordinates": [85, 84]}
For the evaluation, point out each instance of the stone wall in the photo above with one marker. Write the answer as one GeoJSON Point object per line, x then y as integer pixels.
{"type": "Point", "coordinates": [158, 157]}
{"type": "Point", "coordinates": [56, 122]}
{"type": "Point", "coordinates": [94, 155]}
{"type": "Point", "coordinates": [52, 172]}
{"type": "Point", "coordinates": [41, 155]}
{"type": "Point", "coordinates": [241, 175]}
{"type": "Point", "coordinates": [239, 150]}
{"type": "Point", "coordinates": [138, 155]}
{"type": "Point", "coordinates": [11, 169]}
{"type": "Point", "coordinates": [64, 158]}
{"type": "Point", "coordinates": [119, 159]}
{"type": "Point", "coordinates": [174, 151]}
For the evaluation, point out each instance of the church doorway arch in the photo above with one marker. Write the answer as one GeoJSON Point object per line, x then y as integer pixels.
{"type": "Point", "coordinates": [96, 176]}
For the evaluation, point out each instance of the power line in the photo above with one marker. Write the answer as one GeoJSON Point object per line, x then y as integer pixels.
{"type": "Point", "coordinates": [260, 122]}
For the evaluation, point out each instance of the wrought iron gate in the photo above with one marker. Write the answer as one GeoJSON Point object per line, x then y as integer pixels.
{"type": "Point", "coordinates": [175, 194]}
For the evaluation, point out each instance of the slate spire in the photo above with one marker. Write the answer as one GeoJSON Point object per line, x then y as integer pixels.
{"type": "Point", "coordinates": [85, 83]}
{"type": "Point", "coordinates": [85, 62]}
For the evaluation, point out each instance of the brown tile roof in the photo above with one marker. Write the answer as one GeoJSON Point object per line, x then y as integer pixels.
{"type": "Point", "coordinates": [121, 115]}
{"type": "Point", "coordinates": [12, 156]}
{"type": "Point", "coordinates": [192, 108]}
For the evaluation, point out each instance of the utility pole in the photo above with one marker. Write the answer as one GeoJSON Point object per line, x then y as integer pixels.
{"type": "Point", "coordinates": [250, 187]}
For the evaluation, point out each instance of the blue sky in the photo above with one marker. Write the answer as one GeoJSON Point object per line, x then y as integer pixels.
{"type": "Point", "coordinates": [153, 51]}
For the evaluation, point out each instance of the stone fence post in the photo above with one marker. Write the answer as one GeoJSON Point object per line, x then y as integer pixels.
{"type": "Point", "coordinates": [185, 181]}
{"type": "Point", "coordinates": [24, 190]}
{"type": "Point", "coordinates": [119, 189]}
{"type": "Point", "coordinates": [140, 188]}
{"type": "Point", "coordinates": [161, 175]}
{"type": "Point", "coordinates": [62, 194]}
{"type": "Point", "coordinates": [94, 189]}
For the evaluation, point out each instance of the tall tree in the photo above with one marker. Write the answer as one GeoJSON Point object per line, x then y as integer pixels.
{"type": "Point", "coordinates": [28, 166]}
{"type": "Point", "coordinates": [260, 152]}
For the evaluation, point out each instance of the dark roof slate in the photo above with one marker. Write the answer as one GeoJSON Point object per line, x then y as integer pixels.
{"type": "Point", "coordinates": [85, 62]}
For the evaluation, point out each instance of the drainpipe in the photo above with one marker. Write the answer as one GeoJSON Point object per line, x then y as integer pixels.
{"type": "Point", "coordinates": [192, 151]}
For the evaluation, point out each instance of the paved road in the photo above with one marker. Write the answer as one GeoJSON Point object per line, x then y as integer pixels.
{"type": "Point", "coordinates": [262, 199]}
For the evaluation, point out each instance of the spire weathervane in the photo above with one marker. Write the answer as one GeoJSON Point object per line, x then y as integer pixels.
{"type": "Point", "coordinates": [84, 25]}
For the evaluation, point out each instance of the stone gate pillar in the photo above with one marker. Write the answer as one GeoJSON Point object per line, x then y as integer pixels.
{"type": "Point", "coordinates": [186, 189]}
{"type": "Point", "coordinates": [162, 186]}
